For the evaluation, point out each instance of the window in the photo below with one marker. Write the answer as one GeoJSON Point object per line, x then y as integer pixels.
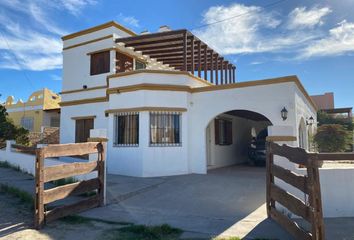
{"type": "Point", "coordinates": [82, 129]}
{"type": "Point", "coordinates": [223, 132]}
{"type": "Point", "coordinates": [139, 65]}
{"type": "Point", "coordinates": [126, 129]}
{"type": "Point", "coordinates": [27, 123]}
{"type": "Point", "coordinates": [100, 63]}
{"type": "Point", "coordinates": [124, 63]}
{"type": "Point", "coordinates": [165, 129]}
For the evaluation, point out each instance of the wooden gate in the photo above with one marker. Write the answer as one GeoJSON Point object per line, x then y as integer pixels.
{"type": "Point", "coordinates": [47, 174]}
{"type": "Point", "coordinates": [309, 184]}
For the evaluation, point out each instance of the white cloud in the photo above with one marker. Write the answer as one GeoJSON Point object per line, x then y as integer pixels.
{"type": "Point", "coordinates": [75, 6]}
{"type": "Point", "coordinates": [32, 41]}
{"type": "Point", "coordinates": [129, 20]}
{"type": "Point", "coordinates": [255, 30]}
{"type": "Point", "coordinates": [299, 35]}
{"type": "Point", "coordinates": [38, 14]}
{"type": "Point", "coordinates": [240, 34]}
{"type": "Point", "coordinates": [339, 41]}
{"type": "Point", "coordinates": [28, 49]}
{"type": "Point", "coordinates": [300, 17]}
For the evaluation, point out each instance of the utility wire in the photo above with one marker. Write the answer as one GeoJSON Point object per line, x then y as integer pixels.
{"type": "Point", "coordinates": [236, 16]}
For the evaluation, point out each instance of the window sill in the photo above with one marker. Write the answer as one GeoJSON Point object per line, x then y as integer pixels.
{"type": "Point", "coordinates": [96, 74]}
{"type": "Point", "coordinates": [125, 145]}
{"type": "Point", "coordinates": [165, 145]}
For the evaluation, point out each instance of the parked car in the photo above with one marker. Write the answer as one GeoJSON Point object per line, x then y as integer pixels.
{"type": "Point", "coordinates": [257, 148]}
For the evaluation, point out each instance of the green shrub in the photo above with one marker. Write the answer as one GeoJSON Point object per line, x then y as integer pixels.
{"type": "Point", "coordinates": [8, 130]}
{"type": "Point", "coordinates": [134, 232]}
{"type": "Point", "coordinates": [332, 138]}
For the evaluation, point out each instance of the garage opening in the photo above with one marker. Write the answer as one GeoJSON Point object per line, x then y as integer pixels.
{"type": "Point", "coordinates": [236, 138]}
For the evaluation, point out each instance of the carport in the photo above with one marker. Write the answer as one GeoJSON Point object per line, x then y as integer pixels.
{"type": "Point", "coordinates": [236, 137]}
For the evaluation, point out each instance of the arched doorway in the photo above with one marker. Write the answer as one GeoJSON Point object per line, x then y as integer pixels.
{"type": "Point", "coordinates": [236, 137]}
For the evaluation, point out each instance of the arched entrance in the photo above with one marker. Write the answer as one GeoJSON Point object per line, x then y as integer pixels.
{"type": "Point", "coordinates": [236, 137]}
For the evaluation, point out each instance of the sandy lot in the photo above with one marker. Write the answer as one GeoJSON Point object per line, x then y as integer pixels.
{"type": "Point", "coordinates": [16, 222]}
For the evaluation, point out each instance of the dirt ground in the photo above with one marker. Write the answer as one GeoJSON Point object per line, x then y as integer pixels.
{"type": "Point", "coordinates": [16, 222]}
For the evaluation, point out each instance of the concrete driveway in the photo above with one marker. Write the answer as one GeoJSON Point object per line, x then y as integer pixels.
{"type": "Point", "coordinates": [228, 201]}
{"type": "Point", "coordinates": [225, 202]}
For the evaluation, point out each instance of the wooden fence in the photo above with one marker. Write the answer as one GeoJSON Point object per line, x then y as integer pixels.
{"type": "Point", "coordinates": [309, 184]}
{"type": "Point", "coordinates": [47, 174]}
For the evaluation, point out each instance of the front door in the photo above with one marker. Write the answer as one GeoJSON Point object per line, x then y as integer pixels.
{"type": "Point", "coordinates": [82, 129]}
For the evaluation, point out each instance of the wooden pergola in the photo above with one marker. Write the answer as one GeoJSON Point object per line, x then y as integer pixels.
{"type": "Point", "coordinates": [185, 52]}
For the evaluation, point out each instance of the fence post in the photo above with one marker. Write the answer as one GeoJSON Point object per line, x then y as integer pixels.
{"type": "Point", "coordinates": [102, 174]}
{"type": "Point", "coordinates": [315, 198]}
{"type": "Point", "coordinates": [101, 161]}
{"type": "Point", "coordinates": [39, 178]}
{"type": "Point", "coordinates": [269, 178]}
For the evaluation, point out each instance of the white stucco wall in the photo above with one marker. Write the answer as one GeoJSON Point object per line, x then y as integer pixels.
{"type": "Point", "coordinates": [26, 162]}
{"type": "Point", "coordinates": [67, 124]}
{"type": "Point", "coordinates": [76, 75]}
{"type": "Point", "coordinates": [155, 78]}
{"type": "Point", "coordinates": [260, 99]}
{"type": "Point", "coordinates": [95, 35]}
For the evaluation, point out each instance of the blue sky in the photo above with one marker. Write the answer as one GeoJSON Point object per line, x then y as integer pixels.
{"type": "Point", "coordinates": [311, 39]}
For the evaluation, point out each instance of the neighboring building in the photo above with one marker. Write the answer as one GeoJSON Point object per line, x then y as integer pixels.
{"type": "Point", "coordinates": [41, 110]}
{"type": "Point", "coordinates": [169, 103]}
{"type": "Point", "coordinates": [325, 102]}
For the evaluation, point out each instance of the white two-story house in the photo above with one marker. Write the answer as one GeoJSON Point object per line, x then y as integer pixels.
{"type": "Point", "coordinates": [170, 104]}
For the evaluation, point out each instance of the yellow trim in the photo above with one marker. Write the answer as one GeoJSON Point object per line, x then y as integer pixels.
{"type": "Point", "coordinates": [166, 87]}
{"type": "Point", "coordinates": [97, 28]}
{"type": "Point", "coordinates": [281, 138]}
{"type": "Point", "coordinates": [259, 83]}
{"type": "Point", "coordinates": [83, 90]}
{"type": "Point", "coordinates": [83, 117]}
{"type": "Point", "coordinates": [161, 72]}
{"type": "Point", "coordinates": [149, 86]}
{"type": "Point", "coordinates": [97, 139]}
{"type": "Point", "coordinates": [88, 42]}
{"type": "Point", "coordinates": [147, 109]}
{"type": "Point", "coordinates": [83, 101]}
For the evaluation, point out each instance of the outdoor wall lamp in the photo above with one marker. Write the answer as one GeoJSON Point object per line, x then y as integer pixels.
{"type": "Point", "coordinates": [310, 121]}
{"type": "Point", "coordinates": [284, 114]}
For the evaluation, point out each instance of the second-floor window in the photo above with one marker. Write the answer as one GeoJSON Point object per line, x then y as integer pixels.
{"type": "Point", "coordinates": [100, 63]}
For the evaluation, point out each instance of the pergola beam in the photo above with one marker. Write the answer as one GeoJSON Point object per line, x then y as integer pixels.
{"type": "Point", "coordinates": [183, 51]}
{"type": "Point", "coordinates": [199, 60]}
